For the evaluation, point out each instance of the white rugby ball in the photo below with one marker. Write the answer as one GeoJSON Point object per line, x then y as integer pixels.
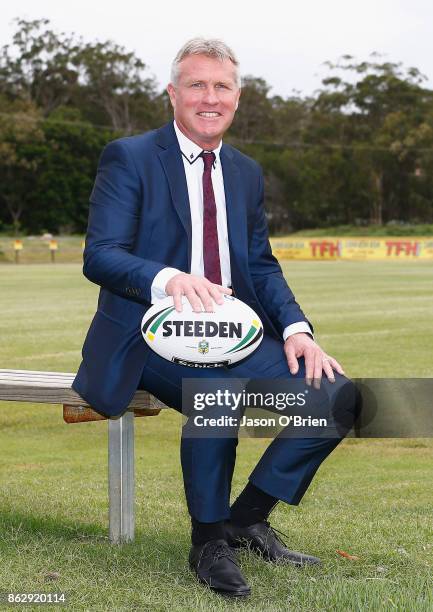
{"type": "Point", "coordinates": [202, 339]}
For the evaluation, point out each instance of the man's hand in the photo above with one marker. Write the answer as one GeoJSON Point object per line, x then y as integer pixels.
{"type": "Point", "coordinates": [316, 360]}
{"type": "Point", "coordinates": [201, 293]}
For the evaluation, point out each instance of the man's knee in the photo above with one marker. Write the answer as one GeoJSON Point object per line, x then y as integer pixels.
{"type": "Point", "coordinates": [345, 403]}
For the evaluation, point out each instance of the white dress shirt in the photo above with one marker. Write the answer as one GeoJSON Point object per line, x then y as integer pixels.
{"type": "Point", "coordinates": [194, 167]}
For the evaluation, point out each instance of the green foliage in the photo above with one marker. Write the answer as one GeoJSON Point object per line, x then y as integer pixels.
{"type": "Point", "coordinates": [48, 169]}
{"type": "Point", "coordinates": [39, 65]}
{"type": "Point", "coordinates": [68, 167]}
{"type": "Point", "coordinates": [359, 152]}
{"type": "Point", "coordinates": [21, 140]}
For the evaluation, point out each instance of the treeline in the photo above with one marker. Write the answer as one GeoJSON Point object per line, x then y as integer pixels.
{"type": "Point", "coordinates": [360, 151]}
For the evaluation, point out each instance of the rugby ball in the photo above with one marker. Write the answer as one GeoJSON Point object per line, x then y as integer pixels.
{"type": "Point", "coordinates": [202, 339]}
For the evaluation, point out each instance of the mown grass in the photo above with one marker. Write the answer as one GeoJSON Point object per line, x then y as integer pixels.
{"type": "Point", "coordinates": [371, 498]}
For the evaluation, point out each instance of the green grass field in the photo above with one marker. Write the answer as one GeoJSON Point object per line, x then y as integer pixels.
{"type": "Point", "coordinates": [371, 498]}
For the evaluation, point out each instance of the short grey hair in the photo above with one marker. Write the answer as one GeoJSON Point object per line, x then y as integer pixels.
{"type": "Point", "coordinates": [212, 47]}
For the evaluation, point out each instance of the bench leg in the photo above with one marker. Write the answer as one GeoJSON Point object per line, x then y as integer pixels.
{"type": "Point", "coordinates": [121, 478]}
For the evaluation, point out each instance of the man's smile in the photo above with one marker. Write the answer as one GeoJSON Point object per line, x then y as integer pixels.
{"type": "Point", "coordinates": [205, 98]}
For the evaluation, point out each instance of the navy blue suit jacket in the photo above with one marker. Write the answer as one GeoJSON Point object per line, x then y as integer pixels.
{"type": "Point", "coordinates": [140, 223]}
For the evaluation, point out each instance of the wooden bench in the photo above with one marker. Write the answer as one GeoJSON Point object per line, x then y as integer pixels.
{"type": "Point", "coordinates": [55, 388]}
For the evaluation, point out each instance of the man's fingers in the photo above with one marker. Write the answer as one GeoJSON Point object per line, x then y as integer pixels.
{"type": "Point", "coordinates": [209, 293]}
{"type": "Point", "coordinates": [329, 365]}
{"type": "Point", "coordinates": [316, 361]}
{"type": "Point", "coordinates": [200, 292]}
{"type": "Point", "coordinates": [336, 366]}
{"type": "Point", "coordinates": [318, 368]}
{"type": "Point", "coordinates": [217, 293]}
{"type": "Point", "coordinates": [327, 368]}
{"type": "Point", "coordinates": [177, 299]}
{"type": "Point", "coordinates": [291, 359]}
{"type": "Point", "coordinates": [193, 299]}
{"type": "Point", "coordinates": [309, 366]}
{"type": "Point", "coordinates": [205, 296]}
{"type": "Point", "coordinates": [225, 289]}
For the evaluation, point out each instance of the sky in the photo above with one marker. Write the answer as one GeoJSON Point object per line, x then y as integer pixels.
{"type": "Point", "coordinates": [284, 42]}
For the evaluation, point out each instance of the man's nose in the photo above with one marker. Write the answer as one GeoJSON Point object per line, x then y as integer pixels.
{"type": "Point", "coordinates": [210, 96]}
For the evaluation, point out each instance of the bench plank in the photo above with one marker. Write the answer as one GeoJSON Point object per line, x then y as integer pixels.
{"type": "Point", "coordinates": [55, 388]}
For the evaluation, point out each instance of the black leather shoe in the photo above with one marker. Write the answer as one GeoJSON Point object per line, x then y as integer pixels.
{"type": "Point", "coordinates": [215, 565]}
{"type": "Point", "coordinates": [262, 539]}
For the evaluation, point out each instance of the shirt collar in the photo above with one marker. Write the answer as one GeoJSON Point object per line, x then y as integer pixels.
{"type": "Point", "coordinates": [190, 150]}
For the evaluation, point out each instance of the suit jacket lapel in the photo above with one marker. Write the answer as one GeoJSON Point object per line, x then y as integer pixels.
{"type": "Point", "coordinates": [236, 215]}
{"type": "Point", "coordinates": [171, 159]}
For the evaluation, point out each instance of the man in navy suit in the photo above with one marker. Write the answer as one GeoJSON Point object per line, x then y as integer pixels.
{"type": "Point", "coordinates": [154, 198]}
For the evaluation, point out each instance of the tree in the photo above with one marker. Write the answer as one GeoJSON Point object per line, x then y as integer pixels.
{"type": "Point", "coordinates": [254, 120]}
{"type": "Point", "coordinates": [382, 116]}
{"type": "Point", "coordinates": [360, 150]}
{"type": "Point", "coordinates": [60, 200]}
{"type": "Point", "coordinates": [39, 66]}
{"type": "Point", "coordinates": [104, 81]}
{"type": "Point", "coordinates": [291, 117]}
{"type": "Point", "coordinates": [114, 81]}
{"type": "Point", "coordinates": [20, 140]}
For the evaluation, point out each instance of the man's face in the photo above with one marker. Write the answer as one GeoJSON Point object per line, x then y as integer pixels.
{"type": "Point", "coordinates": [205, 98]}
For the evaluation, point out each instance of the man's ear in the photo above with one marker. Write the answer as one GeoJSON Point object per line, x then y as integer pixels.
{"type": "Point", "coordinates": [237, 103]}
{"type": "Point", "coordinates": [171, 90]}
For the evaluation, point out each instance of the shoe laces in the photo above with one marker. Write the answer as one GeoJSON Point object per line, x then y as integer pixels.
{"type": "Point", "coordinates": [222, 550]}
{"type": "Point", "coordinates": [277, 533]}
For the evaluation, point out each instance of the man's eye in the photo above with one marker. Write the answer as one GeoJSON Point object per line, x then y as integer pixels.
{"type": "Point", "coordinates": [197, 85]}
{"type": "Point", "coordinates": [221, 86]}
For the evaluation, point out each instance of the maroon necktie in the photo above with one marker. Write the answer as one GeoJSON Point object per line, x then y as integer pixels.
{"type": "Point", "coordinates": [211, 256]}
